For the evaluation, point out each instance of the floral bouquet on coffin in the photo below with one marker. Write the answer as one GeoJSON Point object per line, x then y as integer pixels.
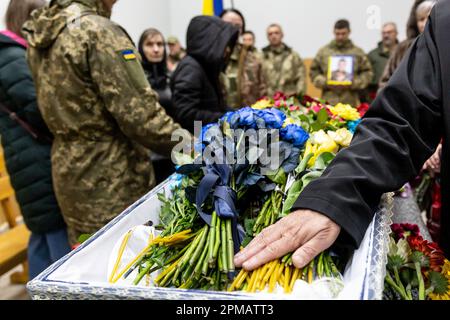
{"type": "Point", "coordinates": [249, 170]}
{"type": "Point", "coordinates": [417, 269]}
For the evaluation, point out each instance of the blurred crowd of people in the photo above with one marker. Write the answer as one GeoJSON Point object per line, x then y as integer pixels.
{"type": "Point", "coordinates": [99, 105]}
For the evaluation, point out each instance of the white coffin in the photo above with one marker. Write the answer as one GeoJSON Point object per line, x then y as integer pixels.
{"type": "Point", "coordinates": [83, 274]}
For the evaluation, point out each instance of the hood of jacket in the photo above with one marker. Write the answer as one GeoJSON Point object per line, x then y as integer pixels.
{"type": "Point", "coordinates": [207, 39]}
{"type": "Point", "coordinates": [47, 23]}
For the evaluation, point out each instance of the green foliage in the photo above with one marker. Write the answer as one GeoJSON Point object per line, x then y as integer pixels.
{"type": "Point", "coordinates": [438, 282]}
{"type": "Point", "coordinates": [292, 196]}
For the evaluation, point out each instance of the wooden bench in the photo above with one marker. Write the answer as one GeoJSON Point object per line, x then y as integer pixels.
{"type": "Point", "coordinates": [13, 248]}
{"type": "Point", "coordinates": [14, 242]}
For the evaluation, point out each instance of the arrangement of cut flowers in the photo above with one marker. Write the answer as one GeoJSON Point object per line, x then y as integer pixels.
{"type": "Point", "coordinates": [247, 173]}
{"type": "Point", "coordinates": [417, 268]}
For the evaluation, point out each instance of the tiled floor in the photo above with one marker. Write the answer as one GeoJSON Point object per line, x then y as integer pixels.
{"type": "Point", "coordinates": [12, 292]}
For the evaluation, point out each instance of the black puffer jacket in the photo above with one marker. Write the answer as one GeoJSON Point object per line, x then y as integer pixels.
{"type": "Point", "coordinates": [196, 89]}
{"type": "Point", "coordinates": [27, 160]}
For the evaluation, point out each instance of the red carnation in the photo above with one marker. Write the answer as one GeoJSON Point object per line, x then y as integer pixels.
{"type": "Point", "coordinates": [363, 108]}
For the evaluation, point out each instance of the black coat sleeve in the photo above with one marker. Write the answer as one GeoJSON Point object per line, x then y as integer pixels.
{"type": "Point", "coordinates": [398, 134]}
{"type": "Point", "coordinates": [19, 86]}
{"type": "Point", "coordinates": [187, 92]}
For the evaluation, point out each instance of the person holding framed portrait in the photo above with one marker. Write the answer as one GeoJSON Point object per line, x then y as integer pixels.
{"type": "Point", "coordinates": [341, 69]}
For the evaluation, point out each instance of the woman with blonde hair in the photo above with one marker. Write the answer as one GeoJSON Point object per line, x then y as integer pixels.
{"type": "Point", "coordinates": [27, 143]}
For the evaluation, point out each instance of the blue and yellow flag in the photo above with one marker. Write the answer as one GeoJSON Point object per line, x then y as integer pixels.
{"type": "Point", "coordinates": [212, 7]}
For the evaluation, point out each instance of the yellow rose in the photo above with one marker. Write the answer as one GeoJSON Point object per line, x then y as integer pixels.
{"type": "Point", "coordinates": [262, 104]}
{"type": "Point", "coordinates": [346, 112]}
{"type": "Point", "coordinates": [342, 137]}
{"type": "Point", "coordinates": [320, 142]}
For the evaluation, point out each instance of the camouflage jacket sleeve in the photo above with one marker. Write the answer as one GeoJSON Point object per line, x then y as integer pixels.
{"type": "Point", "coordinates": [317, 74]}
{"type": "Point", "coordinates": [365, 73]}
{"type": "Point", "coordinates": [262, 80]}
{"type": "Point", "coordinates": [301, 74]}
{"type": "Point", "coordinates": [117, 73]}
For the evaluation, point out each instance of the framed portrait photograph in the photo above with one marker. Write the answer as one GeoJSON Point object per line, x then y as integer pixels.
{"type": "Point", "coordinates": [340, 70]}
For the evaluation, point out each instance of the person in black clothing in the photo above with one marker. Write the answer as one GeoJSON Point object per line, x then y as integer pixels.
{"type": "Point", "coordinates": [197, 92]}
{"type": "Point", "coordinates": [27, 157]}
{"type": "Point", "coordinates": [152, 48]}
{"type": "Point", "coordinates": [400, 132]}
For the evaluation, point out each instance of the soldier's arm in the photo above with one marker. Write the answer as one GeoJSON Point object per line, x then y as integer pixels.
{"type": "Point", "coordinates": [318, 76]}
{"type": "Point", "coordinates": [262, 80]}
{"type": "Point", "coordinates": [365, 75]}
{"type": "Point", "coordinates": [118, 75]}
{"type": "Point", "coordinates": [301, 74]}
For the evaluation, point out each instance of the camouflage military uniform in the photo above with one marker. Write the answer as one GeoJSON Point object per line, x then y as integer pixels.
{"type": "Point", "coordinates": [362, 77]}
{"type": "Point", "coordinates": [244, 79]}
{"type": "Point", "coordinates": [95, 98]}
{"type": "Point", "coordinates": [284, 70]}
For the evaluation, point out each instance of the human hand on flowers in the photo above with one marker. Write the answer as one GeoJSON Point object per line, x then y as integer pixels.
{"type": "Point", "coordinates": [433, 165]}
{"type": "Point", "coordinates": [305, 232]}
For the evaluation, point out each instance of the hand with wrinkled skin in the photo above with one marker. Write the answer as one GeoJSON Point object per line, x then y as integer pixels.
{"type": "Point", "coordinates": [433, 165]}
{"type": "Point", "coordinates": [306, 233]}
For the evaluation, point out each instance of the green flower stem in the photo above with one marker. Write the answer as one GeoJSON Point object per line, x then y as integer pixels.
{"type": "Point", "coordinates": [326, 265]}
{"type": "Point", "coordinates": [421, 281]}
{"type": "Point", "coordinates": [220, 262]}
{"type": "Point", "coordinates": [168, 277]}
{"type": "Point", "coordinates": [286, 258]}
{"type": "Point", "coordinates": [199, 267]}
{"type": "Point", "coordinates": [409, 292]}
{"type": "Point", "coordinates": [305, 273]}
{"type": "Point", "coordinates": [224, 251]}
{"type": "Point", "coordinates": [191, 250]}
{"type": "Point", "coordinates": [212, 237]}
{"type": "Point", "coordinates": [392, 283]}
{"type": "Point", "coordinates": [261, 218]}
{"type": "Point", "coordinates": [230, 247]}
{"type": "Point", "coordinates": [334, 269]}
{"type": "Point", "coordinates": [187, 274]}
{"type": "Point", "coordinates": [217, 277]}
{"type": "Point", "coordinates": [201, 246]}
{"type": "Point", "coordinates": [270, 210]}
{"type": "Point", "coordinates": [143, 273]}
{"type": "Point", "coordinates": [399, 281]}
{"type": "Point", "coordinates": [320, 267]}
{"type": "Point", "coordinates": [213, 262]}
{"type": "Point", "coordinates": [186, 258]}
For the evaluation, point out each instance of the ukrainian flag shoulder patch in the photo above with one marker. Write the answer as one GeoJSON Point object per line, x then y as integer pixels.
{"type": "Point", "coordinates": [128, 55]}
